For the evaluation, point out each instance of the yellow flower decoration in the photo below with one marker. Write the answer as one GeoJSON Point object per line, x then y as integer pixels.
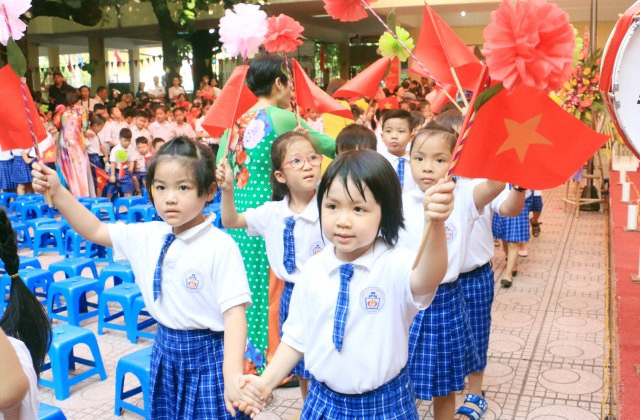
{"type": "Point", "coordinates": [390, 47]}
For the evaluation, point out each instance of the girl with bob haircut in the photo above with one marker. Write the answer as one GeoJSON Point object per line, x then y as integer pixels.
{"type": "Point", "coordinates": [191, 277]}
{"type": "Point", "coordinates": [351, 310]}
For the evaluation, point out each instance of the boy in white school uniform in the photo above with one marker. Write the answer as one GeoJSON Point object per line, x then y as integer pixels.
{"type": "Point", "coordinates": [397, 130]}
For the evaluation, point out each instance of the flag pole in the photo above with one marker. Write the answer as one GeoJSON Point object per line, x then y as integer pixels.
{"type": "Point", "coordinates": [462, 139]}
{"type": "Point", "coordinates": [460, 90]}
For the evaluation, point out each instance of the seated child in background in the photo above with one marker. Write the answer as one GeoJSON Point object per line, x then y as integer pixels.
{"type": "Point", "coordinates": [315, 120]}
{"type": "Point", "coordinates": [139, 126]}
{"type": "Point", "coordinates": [182, 128]}
{"type": "Point", "coordinates": [143, 156]}
{"type": "Point", "coordinates": [120, 179]}
{"type": "Point", "coordinates": [355, 137]}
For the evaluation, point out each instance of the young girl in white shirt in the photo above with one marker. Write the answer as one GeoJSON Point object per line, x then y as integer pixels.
{"type": "Point", "coordinates": [28, 334]}
{"type": "Point", "coordinates": [441, 345]}
{"type": "Point", "coordinates": [290, 224]}
{"type": "Point", "coordinates": [351, 310]}
{"type": "Point", "coordinates": [191, 277]}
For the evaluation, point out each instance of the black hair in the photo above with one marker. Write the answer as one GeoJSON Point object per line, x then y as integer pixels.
{"type": "Point", "coordinates": [400, 114]}
{"type": "Point", "coordinates": [71, 98]}
{"type": "Point", "coordinates": [417, 119]}
{"type": "Point", "coordinates": [129, 112]}
{"type": "Point", "coordinates": [84, 86]}
{"type": "Point", "coordinates": [142, 113]}
{"type": "Point", "coordinates": [97, 120]}
{"type": "Point", "coordinates": [110, 109]}
{"type": "Point", "coordinates": [157, 141]}
{"type": "Point", "coordinates": [126, 133]}
{"type": "Point", "coordinates": [24, 317]}
{"type": "Point", "coordinates": [100, 88]}
{"type": "Point", "coordinates": [98, 107]}
{"type": "Point", "coordinates": [263, 71]}
{"type": "Point", "coordinates": [197, 157]}
{"type": "Point", "coordinates": [432, 129]}
{"type": "Point", "coordinates": [356, 111]}
{"type": "Point", "coordinates": [356, 137]}
{"type": "Point", "coordinates": [450, 119]}
{"type": "Point", "coordinates": [278, 151]}
{"type": "Point", "coordinates": [179, 108]}
{"type": "Point", "coordinates": [160, 106]}
{"type": "Point", "coordinates": [369, 169]}
{"type": "Point", "coordinates": [142, 140]}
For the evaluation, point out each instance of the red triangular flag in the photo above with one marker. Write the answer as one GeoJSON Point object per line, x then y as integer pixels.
{"type": "Point", "coordinates": [234, 100]}
{"type": "Point", "coordinates": [524, 138]}
{"type": "Point", "coordinates": [310, 96]}
{"type": "Point", "coordinates": [393, 78]}
{"type": "Point", "coordinates": [439, 49]}
{"type": "Point", "coordinates": [365, 84]}
{"type": "Point", "coordinates": [15, 132]}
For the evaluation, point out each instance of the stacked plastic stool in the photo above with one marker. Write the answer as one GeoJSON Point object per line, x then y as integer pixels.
{"type": "Point", "coordinates": [120, 271]}
{"type": "Point", "coordinates": [141, 213]}
{"type": "Point", "coordinates": [74, 291]}
{"type": "Point", "coordinates": [35, 209]}
{"type": "Point", "coordinates": [139, 365]}
{"type": "Point", "coordinates": [23, 236]}
{"type": "Point", "coordinates": [62, 359]}
{"type": "Point", "coordinates": [103, 211]}
{"type": "Point", "coordinates": [126, 202]}
{"type": "Point", "coordinates": [49, 412]}
{"type": "Point", "coordinates": [6, 198]}
{"type": "Point", "coordinates": [45, 234]}
{"type": "Point", "coordinates": [123, 294]}
{"type": "Point", "coordinates": [73, 267]}
{"type": "Point", "coordinates": [137, 329]}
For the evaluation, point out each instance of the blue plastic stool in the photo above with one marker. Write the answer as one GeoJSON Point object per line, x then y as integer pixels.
{"type": "Point", "coordinates": [74, 291]}
{"type": "Point", "coordinates": [104, 211]}
{"type": "Point", "coordinates": [39, 221]}
{"type": "Point", "coordinates": [141, 213]}
{"type": "Point", "coordinates": [23, 236]}
{"type": "Point", "coordinates": [34, 209]}
{"type": "Point", "coordinates": [36, 278]}
{"type": "Point", "coordinates": [6, 198]}
{"type": "Point", "coordinates": [138, 329]}
{"type": "Point", "coordinates": [24, 263]}
{"type": "Point", "coordinates": [75, 245]}
{"type": "Point", "coordinates": [49, 412]}
{"type": "Point", "coordinates": [124, 294]}
{"type": "Point", "coordinates": [73, 267]}
{"type": "Point", "coordinates": [61, 359]}
{"type": "Point", "coordinates": [139, 365]}
{"type": "Point", "coordinates": [89, 201]}
{"type": "Point", "coordinates": [120, 271]}
{"type": "Point", "coordinates": [126, 202]}
{"type": "Point", "coordinates": [100, 253]}
{"type": "Point", "coordinates": [42, 235]}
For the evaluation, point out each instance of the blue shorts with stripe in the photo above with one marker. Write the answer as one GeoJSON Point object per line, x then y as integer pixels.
{"type": "Point", "coordinates": [20, 171]}
{"type": "Point", "coordinates": [285, 299]}
{"type": "Point", "coordinates": [477, 289]}
{"type": "Point", "coordinates": [6, 179]}
{"type": "Point", "coordinates": [441, 347]}
{"type": "Point", "coordinates": [512, 229]}
{"type": "Point", "coordinates": [123, 185]}
{"type": "Point", "coordinates": [393, 400]}
{"type": "Point", "coordinates": [186, 375]}
{"type": "Point", "coordinates": [535, 203]}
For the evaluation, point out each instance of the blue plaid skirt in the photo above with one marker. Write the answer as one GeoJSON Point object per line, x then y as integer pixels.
{"type": "Point", "coordinates": [535, 203]}
{"type": "Point", "coordinates": [393, 400]}
{"type": "Point", "coordinates": [477, 289]}
{"type": "Point", "coordinates": [512, 229]}
{"type": "Point", "coordinates": [20, 171]}
{"type": "Point", "coordinates": [285, 299]}
{"type": "Point", "coordinates": [6, 177]}
{"type": "Point", "coordinates": [441, 348]}
{"type": "Point", "coordinates": [186, 375]}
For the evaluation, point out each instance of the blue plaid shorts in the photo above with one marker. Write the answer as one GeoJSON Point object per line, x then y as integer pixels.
{"type": "Point", "coordinates": [441, 347]}
{"type": "Point", "coordinates": [535, 203]}
{"type": "Point", "coordinates": [20, 171]}
{"type": "Point", "coordinates": [6, 179]}
{"type": "Point", "coordinates": [393, 400]}
{"type": "Point", "coordinates": [186, 375]}
{"type": "Point", "coordinates": [123, 185]}
{"type": "Point", "coordinates": [512, 229]}
{"type": "Point", "coordinates": [477, 290]}
{"type": "Point", "coordinates": [285, 299]}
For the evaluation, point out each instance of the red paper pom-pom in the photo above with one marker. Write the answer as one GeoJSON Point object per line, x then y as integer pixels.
{"type": "Point", "coordinates": [346, 10]}
{"type": "Point", "coordinates": [283, 35]}
{"type": "Point", "coordinates": [531, 43]}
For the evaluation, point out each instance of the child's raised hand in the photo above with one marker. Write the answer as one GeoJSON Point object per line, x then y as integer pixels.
{"type": "Point", "coordinates": [45, 179]}
{"type": "Point", "coordinates": [224, 176]}
{"type": "Point", "coordinates": [438, 201]}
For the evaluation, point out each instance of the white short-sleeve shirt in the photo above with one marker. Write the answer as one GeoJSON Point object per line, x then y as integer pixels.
{"type": "Point", "coordinates": [381, 310]}
{"type": "Point", "coordinates": [165, 130]}
{"type": "Point", "coordinates": [408, 184]}
{"type": "Point", "coordinates": [202, 274]}
{"type": "Point", "coordinates": [29, 405]}
{"type": "Point", "coordinates": [268, 221]}
{"type": "Point", "coordinates": [457, 227]}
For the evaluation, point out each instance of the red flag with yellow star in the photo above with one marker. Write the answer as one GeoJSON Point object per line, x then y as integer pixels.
{"type": "Point", "coordinates": [523, 137]}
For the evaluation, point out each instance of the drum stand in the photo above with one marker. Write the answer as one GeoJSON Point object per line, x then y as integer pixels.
{"type": "Point", "coordinates": [575, 197]}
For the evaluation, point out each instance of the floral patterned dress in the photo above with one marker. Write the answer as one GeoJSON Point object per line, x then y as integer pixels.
{"type": "Point", "coordinates": [72, 158]}
{"type": "Point", "coordinates": [250, 160]}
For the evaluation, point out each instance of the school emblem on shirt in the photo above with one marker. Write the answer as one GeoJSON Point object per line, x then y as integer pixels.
{"type": "Point", "coordinates": [192, 281]}
{"type": "Point", "coordinates": [372, 299]}
{"type": "Point", "coordinates": [450, 232]}
{"type": "Point", "coordinates": [316, 248]}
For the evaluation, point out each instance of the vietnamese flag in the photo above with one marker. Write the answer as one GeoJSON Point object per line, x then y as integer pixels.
{"type": "Point", "coordinates": [523, 137]}
{"type": "Point", "coordinates": [365, 84]}
{"type": "Point", "coordinates": [49, 155]}
{"type": "Point", "coordinates": [393, 78]}
{"type": "Point", "coordinates": [439, 49]}
{"type": "Point", "coordinates": [390, 102]}
{"type": "Point", "coordinates": [310, 96]}
{"type": "Point", "coordinates": [102, 177]}
{"type": "Point", "coordinates": [15, 132]}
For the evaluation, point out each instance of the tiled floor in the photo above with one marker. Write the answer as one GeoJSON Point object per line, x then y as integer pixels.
{"type": "Point", "coordinates": [547, 342]}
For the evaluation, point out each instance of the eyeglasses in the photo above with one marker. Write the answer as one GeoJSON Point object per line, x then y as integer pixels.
{"type": "Point", "coordinates": [314, 159]}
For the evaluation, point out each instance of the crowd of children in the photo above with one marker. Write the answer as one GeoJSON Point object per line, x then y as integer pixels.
{"type": "Point", "coordinates": [386, 262]}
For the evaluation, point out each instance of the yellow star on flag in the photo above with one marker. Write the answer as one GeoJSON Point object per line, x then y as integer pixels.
{"type": "Point", "coordinates": [521, 136]}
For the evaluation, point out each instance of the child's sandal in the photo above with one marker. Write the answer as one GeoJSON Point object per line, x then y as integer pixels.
{"type": "Point", "coordinates": [506, 283]}
{"type": "Point", "coordinates": [535, 229]}
{"type": "Point", "coordinates": [476, 400]}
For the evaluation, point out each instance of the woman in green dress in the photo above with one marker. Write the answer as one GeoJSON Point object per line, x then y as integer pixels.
{"type": "Point", "coordinates": [250, 159]}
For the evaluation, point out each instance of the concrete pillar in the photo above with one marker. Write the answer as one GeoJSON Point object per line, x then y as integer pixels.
{"type": "Point", "coordinates": [33, 62]}
{"type": "Point", "coordinates": [97, 57]}
{"type": "Point", "coordinates": [54, 56]}
{"type": "Point", "coordinates": [345, 61]}
{"type": "Point", "coordinates": [134, 72]}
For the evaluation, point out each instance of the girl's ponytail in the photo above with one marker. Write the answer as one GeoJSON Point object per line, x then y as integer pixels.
{"type": "Point", "coordinates": [24, 318]}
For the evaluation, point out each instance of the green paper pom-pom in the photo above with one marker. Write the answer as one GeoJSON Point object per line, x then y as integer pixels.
{"type": "Point", "coordinates": [391, 48]}
{"type": "Point", "coordinates": [122, 156]}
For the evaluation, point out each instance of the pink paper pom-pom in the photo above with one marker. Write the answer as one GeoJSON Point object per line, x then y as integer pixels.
{"type": "Point", "coordinates": [242, 30]}
{"type": "Point", "coordinates": [10, 24]}
{"type": "Point", "coordinates": [283, 35]}
{"type": "Point", "coordinates": [346, 10]}
{"type": "Point", "coordinates": [531, 43]}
